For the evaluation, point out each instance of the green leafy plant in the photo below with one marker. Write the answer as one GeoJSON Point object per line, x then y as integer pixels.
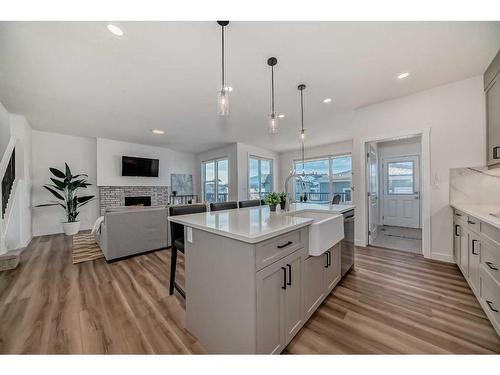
{"type": "Point", "coordinates": [282, 196]}
{"type": "Point", "coordinates": [273, 199]}
{"type": "Point", "coordinates": [65, 188]}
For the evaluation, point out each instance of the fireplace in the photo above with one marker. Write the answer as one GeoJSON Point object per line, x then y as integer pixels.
{"type": "Point", "coordinates": [138, 201]}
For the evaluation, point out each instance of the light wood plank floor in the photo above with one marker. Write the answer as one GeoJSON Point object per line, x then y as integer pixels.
{"type": "Point", "coordinates": [393, 302]}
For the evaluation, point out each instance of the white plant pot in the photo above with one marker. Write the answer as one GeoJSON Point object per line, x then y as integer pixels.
{"type": "Point", "coordinates": [71, 229]}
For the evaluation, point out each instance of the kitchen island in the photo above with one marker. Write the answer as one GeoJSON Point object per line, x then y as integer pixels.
{"type": "Point", "coordinates": [251, 281]}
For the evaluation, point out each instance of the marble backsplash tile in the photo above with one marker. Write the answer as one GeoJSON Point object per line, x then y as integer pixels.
{"type": "Point", "coordinates": [475, 185]}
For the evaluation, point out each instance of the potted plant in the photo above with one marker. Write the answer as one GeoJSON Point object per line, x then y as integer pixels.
{"type": "Point", "coordinates": [283, 195]}
{"type": "Point", "coordinates": [65, 188]}
{"type": "Point", "coordinates": [272, 200]}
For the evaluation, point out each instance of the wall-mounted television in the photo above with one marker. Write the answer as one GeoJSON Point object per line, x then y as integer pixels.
{"type": "Point", "coordinates": [139, 167]}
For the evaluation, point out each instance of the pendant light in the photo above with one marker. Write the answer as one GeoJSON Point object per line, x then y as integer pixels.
{"type": "Point", "coordinates": [222, 96]}
{"type": "Point", "coordinates": [273, 117]}
{"type": "Point", "coordinates": [301, 88]}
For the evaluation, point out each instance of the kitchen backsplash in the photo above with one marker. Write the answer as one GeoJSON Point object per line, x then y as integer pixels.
{"type": "Point", "coordinates": [475, 185]}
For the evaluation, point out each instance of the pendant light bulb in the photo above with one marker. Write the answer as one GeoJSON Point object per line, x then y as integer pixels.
{"type": "Point", "coordinates": [273, 124]}
{"type": "Point", "coordinates": [302, 135]}
{"type": "Point", "coordinates": [222, 95]}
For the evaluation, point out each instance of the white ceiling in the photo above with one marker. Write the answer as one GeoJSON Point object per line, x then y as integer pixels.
{"type": "Point", "coordinates": [78, 78]}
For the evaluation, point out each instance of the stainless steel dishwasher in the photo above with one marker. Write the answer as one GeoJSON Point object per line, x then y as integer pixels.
{"type": "Point", "coordinates": [347, 244]}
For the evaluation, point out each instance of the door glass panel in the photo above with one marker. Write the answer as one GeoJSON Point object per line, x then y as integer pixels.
{"type": "Point", "coordinates": [400, 177]}
{"type": "Point", "coordinates": [222, 180]}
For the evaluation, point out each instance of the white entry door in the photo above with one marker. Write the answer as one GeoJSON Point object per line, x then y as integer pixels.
{"type": "Point", "coordinates": [401, 195]}
{"type": "Point", "coordinates": [373, 195]}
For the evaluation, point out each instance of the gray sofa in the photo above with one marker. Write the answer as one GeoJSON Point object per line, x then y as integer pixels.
{"type": "Point", "coordinates": [133, 230]}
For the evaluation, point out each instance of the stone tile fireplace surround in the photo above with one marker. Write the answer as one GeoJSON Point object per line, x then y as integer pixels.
{"type": "Point", "coordinates": [114, 196]}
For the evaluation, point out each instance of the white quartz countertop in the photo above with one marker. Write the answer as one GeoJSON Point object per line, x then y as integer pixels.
{"type": "Point", "coordinates": [253, 224]}
{"type": "Point", "coordinates": [481, 211]}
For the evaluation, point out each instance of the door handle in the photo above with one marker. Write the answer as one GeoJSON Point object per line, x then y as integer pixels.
{"type": "Point", "coordinates": [457, 230]}
{"type": "Point", "coordinates": [474, 247]}
{"type": "Point", "coordinates": [284, 278]}
{"type": "Point", "coordinates": [492, 267]}
{"type": "Point", "coordinates": [491, 306]}
{"type": "Point", "coordinates": [496, 153]}
{"type": "Point", "coordinates": [289, 274]}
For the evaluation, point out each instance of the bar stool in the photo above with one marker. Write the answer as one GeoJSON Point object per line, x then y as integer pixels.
{"type": "Point", "coordinates": [249, 203]}
{"type": "Point", "coordinates": [219, 206]}
{"type": "Point", "coordinates": [177, 236]}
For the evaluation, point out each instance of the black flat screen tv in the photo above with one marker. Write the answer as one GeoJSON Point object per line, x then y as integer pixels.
{"type": "Point", "coordinates": [139, 167]}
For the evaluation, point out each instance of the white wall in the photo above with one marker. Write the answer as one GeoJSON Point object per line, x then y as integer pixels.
{"type": "Point", "coordinates": [244, 152]}
{"type": "Point", "coordinates": [455, 115]}
{"type": "Point", "coordinates": [109, 166]}
{"type": "Point", "coordinates": [287, 158]}
{"type": "Point", "coordinates": [231, 153]}
{"type": "Point", "coordinates": [53, 150]}
{"type": "Point", "coordinates": [4, 129]}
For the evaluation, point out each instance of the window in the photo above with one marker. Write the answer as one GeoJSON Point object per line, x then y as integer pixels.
{"type": "Point", "coordinates": [215, 175]}
{"type": "Point", "coordinates": [325, 178]}
{"type": "Point", "coordinates": [400, 177]}
{"type": "Point", "coordinates": [260, 177]}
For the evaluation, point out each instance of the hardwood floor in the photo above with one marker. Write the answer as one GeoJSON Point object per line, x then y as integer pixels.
{"type": "Point", "coordinates": [393, 302]}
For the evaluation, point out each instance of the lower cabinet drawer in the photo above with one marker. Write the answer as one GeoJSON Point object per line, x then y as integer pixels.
{"type": "Point", "coordinates": [490, 259]}
{"type": "Point", "coordinates": [269, 251]}
{"type": "Point", "coordinates": [490, 296]}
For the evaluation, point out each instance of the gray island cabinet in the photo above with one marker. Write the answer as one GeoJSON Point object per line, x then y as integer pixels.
{"type": "Point", "coordinates": [250, 281]}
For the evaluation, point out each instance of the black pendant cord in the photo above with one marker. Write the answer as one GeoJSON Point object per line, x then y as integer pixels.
{"type": "Point", "coordinates": [272, 90]}
{"type": "Point", "coordinates": [223, 81]}
{"type": "Point", "coordinates": [302, 125]}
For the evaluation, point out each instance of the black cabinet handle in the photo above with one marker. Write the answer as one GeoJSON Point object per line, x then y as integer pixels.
{"type": "Point", "coordinates": [491, 306]}
{"type": "Point", "coordinates": [285, 245]}
{"type": "Point", "coordinates": [496, 154]}
{"type": "Point", "coordinates": [457, 230]}
{"type": "Point", "coordinates": [327, 261]}
{"type": "Point", "coordinates": [474, 247]}
{"type": "Point", "coordinates": [489, 264]}
{"type": "Point", "coordinates": [329, 258]}
{"type": "Point", "coordinates": [458, 214]}
{"type": "Point", "coordinates": [471, 222]}
{"type": "Point", "coordinates": [284, 278]}
{"type": "Point", "coordinates": [289, 275]}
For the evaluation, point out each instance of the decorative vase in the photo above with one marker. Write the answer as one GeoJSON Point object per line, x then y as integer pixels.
{"type": "Point", "coordinates": [282, 205]}
{"type": "Point", "coordinates": [272, 207]}
{"type": "Point", "coordinates": [72, 228]}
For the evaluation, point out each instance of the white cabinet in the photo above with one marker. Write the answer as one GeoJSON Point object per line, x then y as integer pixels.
{"type": "Point", "coordinates": [456, 241]}
{"type": "Point", "coordinates": [492, 94]}
{"type": "Point", "coordinates": [279, 303]}
{"type": "Point", "coordinates": [321, 274]}
{"type": "Point", "coordinates": [474, 261]}
{"type": "Point", "coordinates": [464, 251]}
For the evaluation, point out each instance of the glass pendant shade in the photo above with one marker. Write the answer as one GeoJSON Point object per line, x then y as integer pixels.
{"type": "Point", "coordinates": [223, 102]}
{"type": "Point", "coordinates": [273, 124]}
{"type": "Point", "coordinates": [302, 135]}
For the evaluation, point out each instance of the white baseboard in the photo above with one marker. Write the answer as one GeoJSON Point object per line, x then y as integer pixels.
{"type": "Point", "coordinates": [443, 257]}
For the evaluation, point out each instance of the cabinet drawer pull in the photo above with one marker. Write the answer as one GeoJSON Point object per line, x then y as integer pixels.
{"type": "Point", "coordinates": [289, 274]}
{"type": "Point", "coordinates": [329, 258]}
{"type": "Point", "coordinates": [457, 214]}
{"type": "Point", "coordinates": [491, 306]}
{"type": "Point", "coordinates": [471, 222]}
{"type": "Point", "coordinates": [327, 262]}
{"type": "Point", "coordinates": [492, 267]}
{"type": "Point", "coordinates": [474, 247]}
{"type": "Point", "coordinates": [496, 154]}
{"type": "Point", "coordinates": [285, 245]}
{"type": "Point", "coordinates": [457, 230]}
{"type": "Point", "coordinates": [284, 278]}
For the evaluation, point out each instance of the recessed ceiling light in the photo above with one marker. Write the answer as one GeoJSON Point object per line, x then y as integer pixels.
{"type": "Point", "coordinates": [157, 131]}
{"type": "Point", "coordinates": [281, 116]}
{"type": "Point", "coordinates": [403, 75]}
{"type": "Point", "coordinates": [327, 100]}
{"type": "Point", "coordinates": [115, 30]}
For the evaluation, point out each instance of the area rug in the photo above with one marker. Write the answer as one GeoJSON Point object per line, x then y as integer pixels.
{"type": "Point", "coordinates": [85, 248]}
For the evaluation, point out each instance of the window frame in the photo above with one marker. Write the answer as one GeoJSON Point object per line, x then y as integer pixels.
{"type": "Point", "coordinates": [330, 159]}
{"type": "Point", "coordinates": [216, 178]}
{"type": "Point", "coordinates": [259, 168]}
